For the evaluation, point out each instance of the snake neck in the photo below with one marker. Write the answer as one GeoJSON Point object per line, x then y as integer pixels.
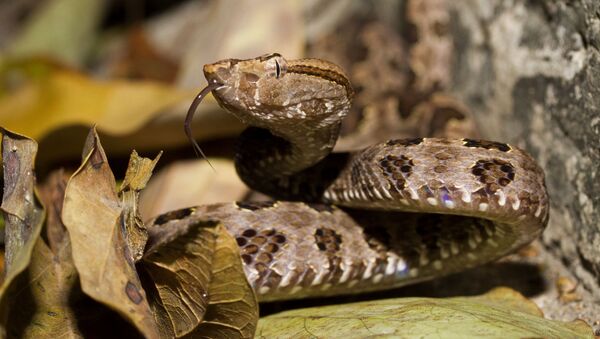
{"type": "Point", "coordinates": [285, 168]}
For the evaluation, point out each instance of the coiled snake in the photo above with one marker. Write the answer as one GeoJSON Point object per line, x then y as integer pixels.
{"type": "Point", "coordinates": [412, 209]}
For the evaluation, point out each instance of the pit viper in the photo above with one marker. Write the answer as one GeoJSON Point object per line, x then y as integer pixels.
{"type": "Point", "coordinates": [392, 214]}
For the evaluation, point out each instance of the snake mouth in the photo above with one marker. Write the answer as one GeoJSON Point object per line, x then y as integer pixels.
{"type": "Point", "coordinates": [212, 86]}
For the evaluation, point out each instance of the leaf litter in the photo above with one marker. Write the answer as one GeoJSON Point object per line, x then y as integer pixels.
{"type": "Point", "coordinates": [81, 273]}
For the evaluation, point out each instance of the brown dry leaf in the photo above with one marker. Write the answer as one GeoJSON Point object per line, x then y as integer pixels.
{"type": "Point", "coordinates": [45, 302]}
{"type": "Point", "coordinates": [23, 215]}
{"type": "Point", "coordinates": [52, 195]}
{"type": "Point", "coordinates": [567, 290]}
{"type": "Point", "coordinates": [45, 305]}
{"type": "Point", "coordinates": [141, 60]}
{"type": "Point", "coordinates": [201, 288]}
{"type": "Point", "coordinates": [21, 210]}
{"type": "Point", "coordinates": [138, 173]}
{"type": "Point", "coordinates": [42, 97]}
{"type": "Point", "coordinates": [92, 216]}
{"type": "Point", "coordinates": [191, 183]}
{"type": "Point", "coordinates": [233, 307]}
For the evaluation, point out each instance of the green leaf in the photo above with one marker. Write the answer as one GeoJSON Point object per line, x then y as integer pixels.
{"type": "Point", "coordinates": [497, 314]}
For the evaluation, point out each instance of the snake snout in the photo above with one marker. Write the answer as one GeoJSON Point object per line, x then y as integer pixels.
{"type": "Point", "coordinates": [218, 73]}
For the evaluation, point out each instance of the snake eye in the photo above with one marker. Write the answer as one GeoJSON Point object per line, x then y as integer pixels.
{"type": "Point", "coordinates": [277, 69]}
{"type": "Point", "coordinates": [276, 66]}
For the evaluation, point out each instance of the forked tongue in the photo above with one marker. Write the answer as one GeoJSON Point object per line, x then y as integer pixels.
{"type": "Point", "coordinates": [187, 126]}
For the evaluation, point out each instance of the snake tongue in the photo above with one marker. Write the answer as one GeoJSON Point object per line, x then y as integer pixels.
{"type": "Point", "coordinates": [187, 126]}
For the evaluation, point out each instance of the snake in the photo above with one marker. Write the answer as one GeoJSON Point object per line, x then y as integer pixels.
{"type": "Point", "coordinates": [392, 214]}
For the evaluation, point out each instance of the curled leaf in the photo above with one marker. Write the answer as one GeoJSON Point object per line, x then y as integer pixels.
{"type": "Point", "coordinates": [50, 288]}
{"type": "Point", "coordinates": [138, 173]}
{"type": "Point", "coordinates": [200, 283]}
{"type": "Point", "coordinates": [23, 215]}
{"type": "Point", "coordinates": [92, 216]}
{"type": "Point", "coordinates": [45, 300]}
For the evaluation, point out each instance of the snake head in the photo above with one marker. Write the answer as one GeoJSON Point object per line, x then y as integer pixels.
{"type": "Point", "coordinates": [269, 90]}
{"type": "Point", "coordinates": [244, 83]}
{"type": "Point", "coordinates": [235, 72]}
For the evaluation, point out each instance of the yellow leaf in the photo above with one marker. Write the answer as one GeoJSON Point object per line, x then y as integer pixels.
{"type": "Point", "coordinates": [46, 97]}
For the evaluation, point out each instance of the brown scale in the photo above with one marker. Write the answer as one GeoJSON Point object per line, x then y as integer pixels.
{"type": "Point", "coordinates": [440, 169]}
{"type": "Point", "coordinates": [258, 248]}
{"type": "Point", "coordinates": [396, 169]}
{"type": "Point", "coordinates": [487, 144]}
{"type": "Point", "coordinates": [443, 155]}
{"type": "Point", "coordinates": [528, 200]}
{"type": "Point", "coordinates": [494, 173]}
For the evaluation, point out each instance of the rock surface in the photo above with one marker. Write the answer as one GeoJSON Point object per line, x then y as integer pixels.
{"type": "Point", "coordinates": [530, 71]}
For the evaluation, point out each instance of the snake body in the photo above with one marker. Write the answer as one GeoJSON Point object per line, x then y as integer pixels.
{"type": "Point", "coordinates": [411, 209]}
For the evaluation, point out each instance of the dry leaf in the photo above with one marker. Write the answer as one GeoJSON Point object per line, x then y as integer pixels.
{"type": "Point", "coordinates": [201, 286]}
{"type": "Point", "coordinates": [92, 216]}
{"type": "Point", "coordinates": [21, 209]}
{"type": "Point", "coordinates": [180, 271]}
{"type": "Point", "coordinates": [233, 307]}
{"type": "Point", "coordinates": [22, 212]}
{"type": "Point", "coordinates": [191, 183]}
{"type": "Point", "coordinates": [490, 315]}
{"type": "Point", "coordinates": [142, 61]}
{"type": "Point", "coordinates": [138, 173]}
{"type": "Point", "coordinates": [46, 97]}
{"type": "Point", "coordinates": [567, 290]}
{"type": "Point", "coordinates": [197, 33]}
{"type": "Point", "coordinates": [45, 306]}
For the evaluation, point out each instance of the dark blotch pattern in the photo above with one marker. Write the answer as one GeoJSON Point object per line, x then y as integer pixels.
{"type": "Point", "coordinates": [494, 173]}
{"type": "Point", "coordinates": [487, 144]}
{"type": "Point", "coordinates": [405, 142]}
{"type": "Point", "coordinates": [173, 215]}
{"type": "Point", "coordinates": [258, 247]}
{"type": "Point", "coordinates": [328, 240]}
{"type": "Point", "coordinates": [254, 205]}
{"type": "Point", "coordinates": [396, 169]}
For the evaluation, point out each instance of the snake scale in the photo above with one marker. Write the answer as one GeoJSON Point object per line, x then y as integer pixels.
{"type": "Point", "coordinates": [394, 213]}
